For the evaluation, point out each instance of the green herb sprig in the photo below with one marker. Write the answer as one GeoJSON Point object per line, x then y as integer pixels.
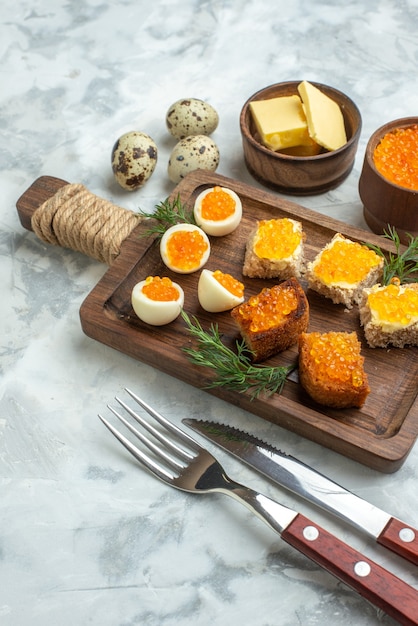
{"type": "Point", "coordinates": [233, 369]}
{"type": "Point", "coordinates": [167, 213]}
{"type": "Point", "coordinates": [401, 265]}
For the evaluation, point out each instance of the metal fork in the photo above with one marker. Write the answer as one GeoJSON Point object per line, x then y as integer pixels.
{"type": "Point", "coordinates": [180, 461]}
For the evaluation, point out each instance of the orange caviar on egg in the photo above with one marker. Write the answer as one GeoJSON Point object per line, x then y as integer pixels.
{"type": "Point", "coordinates": [395, 304]}
{"type": "Point", "coordinates": [230, 283]}
{"type": "Point", "coordinates": [185, 249]}
{"type": "Point", "coordinates": [217, 205]}
{"type": "Point", "coordinates": [337, 357]}
{"type": "Point", "coordinates": [160, 289]}
{"type": "Point", "coordinates": [276, 239]}
{"type": "Point", "coordinates": [346, 262]}
{"type": "Point", "coordinates": [396, 157]}
{"type": "Point", "coordinates": [269, 308]}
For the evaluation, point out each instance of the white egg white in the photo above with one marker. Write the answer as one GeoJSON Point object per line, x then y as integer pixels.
{"type": "Point", "coordinates": [164, 253]}
{"type": "Point", "coordinates": [214, 297]}
{"type": "Point", "coordinates": [218, 228]}
{"type": "Point", "coordinates": [156, 312]}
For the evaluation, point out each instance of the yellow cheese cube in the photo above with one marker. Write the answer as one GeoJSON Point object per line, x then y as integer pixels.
{"type": "Point", "coordinates": [324, 116]}
{"type": "Point", "coordinates": [309, 149]}
{"type": "Point", "coordinates": [281, 122]}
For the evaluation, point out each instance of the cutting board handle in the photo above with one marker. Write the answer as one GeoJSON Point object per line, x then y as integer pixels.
{"type": "Point", "coordinates": [70, 216]}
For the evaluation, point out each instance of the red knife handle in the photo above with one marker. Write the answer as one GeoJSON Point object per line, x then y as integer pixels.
{"type": "Point", "coordinates": [373, 582]}
{"type": "Point", "coordinates": [400, 538]}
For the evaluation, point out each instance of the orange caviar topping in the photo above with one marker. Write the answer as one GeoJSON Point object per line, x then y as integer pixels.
{"type": "Point", "coordinates": [396, 157]}
{"type": "Point", "coordinates": [230, 283]}
{"type": "Point", "coordinates": [268, 309]}
{"type": "Point", "coordinates": [337, 357]}
{"type": "Point", "coordinates": [276, 239]}
{"type": "Point", "coordinates": [346, 262]}
{"type": "Point", "coordinates": [185, 249]}
{"type": "Point", "coordinates": [395, 304]}
{"type": "Point", "coordinates": [160, 289]}
{"type": "Point", "coordinates": [217, 205]}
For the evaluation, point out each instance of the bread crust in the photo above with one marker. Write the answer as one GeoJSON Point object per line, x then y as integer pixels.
{"type": "Point", "coordinates": [266, 343]}
{"type": "Point", "coordinates": [349, 296]}
{"type": "Point", "coordinates": [257, 267]}
{"type": "Point", "coordinates": [325, 390]}
{"type": "Point", "coordinates": [376, 336]}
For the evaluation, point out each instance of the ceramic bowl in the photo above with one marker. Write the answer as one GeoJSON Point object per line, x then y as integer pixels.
{"type": "Point", "coordinates": [384, 202]}
{"type": "Point", "coordinates": [299, 175]}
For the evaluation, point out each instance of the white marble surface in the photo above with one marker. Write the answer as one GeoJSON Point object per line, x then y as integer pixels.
{"type": "Point", "coordinates": [86, 536]}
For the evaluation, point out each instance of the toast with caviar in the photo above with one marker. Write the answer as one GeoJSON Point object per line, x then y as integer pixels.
{"type": "Point", "coordinates": [275, 250]}
{"type": "Point", "coordinates": [389, 315]}
{"type": "Point", "coordinates": [342, 269]}
{"type": "Point", "coordinates": [272, 320]}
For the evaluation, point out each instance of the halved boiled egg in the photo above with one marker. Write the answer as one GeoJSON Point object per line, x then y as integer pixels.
{"type": "Point", "coordinates": [218, 292]}
{"type": "Point", "coordinates": [184, 248]}
{"type": "Point", "coordinates": [218, 211]}
{"type": "Point", "coordinates": [157, 301]}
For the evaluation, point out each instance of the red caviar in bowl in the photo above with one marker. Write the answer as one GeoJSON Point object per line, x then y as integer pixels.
{"type": "Point", "coordinates": [396, 157]}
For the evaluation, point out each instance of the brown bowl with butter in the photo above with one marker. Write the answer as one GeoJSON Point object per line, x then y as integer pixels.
{"type": "Point", "coordinates": [296, 147]}
{"type": "Point", "coordinates": [388, 184]}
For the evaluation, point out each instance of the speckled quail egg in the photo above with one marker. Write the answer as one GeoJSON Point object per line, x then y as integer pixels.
{"type": "Point", "coordinates": [218, 292]}
{"type": "Point", "coordinates": [157, 301]}
{"type": "Point", "coordinates": [184, 248]}
{"type": "Point", "coordinates": [134, 157]}
{"type": "Point", "coordinates": [218, 211]}
{"type": "Point", "coordinates": [190, 154]}
{"type": "Point", "coordinates": [191, 116]}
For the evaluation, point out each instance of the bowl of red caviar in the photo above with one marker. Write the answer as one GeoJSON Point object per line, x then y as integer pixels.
{"type": "Point", "coordinates": [388, 184]}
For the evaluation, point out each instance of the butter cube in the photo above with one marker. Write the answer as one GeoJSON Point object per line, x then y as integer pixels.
{"type": "Point", "coordinates": [309, 149]}
{"type": "Point", "coordinates": [281, 122]}
{"type": "Point", "coordinates": [324, 117]}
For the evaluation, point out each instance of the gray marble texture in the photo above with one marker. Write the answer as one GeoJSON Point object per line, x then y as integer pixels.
{"type": "Point", "coordinates": [86, 536]}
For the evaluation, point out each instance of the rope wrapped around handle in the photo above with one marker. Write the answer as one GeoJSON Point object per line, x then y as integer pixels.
{"type": "Point", "coordinates": [77, 219]}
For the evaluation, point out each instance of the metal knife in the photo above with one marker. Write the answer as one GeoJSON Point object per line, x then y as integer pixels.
{"type": "Point", "coordinates": [315, 487]}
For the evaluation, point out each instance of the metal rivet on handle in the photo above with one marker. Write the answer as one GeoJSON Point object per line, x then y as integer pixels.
{"type": "Point", "coordinates": [406, 535]}
{"type": "Point", "coordinates": [361, 568]}
{"type": "Point", "coordinates": [310, 533]}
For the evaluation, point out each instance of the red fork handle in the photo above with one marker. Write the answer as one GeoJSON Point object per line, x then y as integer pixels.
{"type": "Point", "coordinates": [373, 582]}
{"type": "Point", "coordinates": [400, 538]}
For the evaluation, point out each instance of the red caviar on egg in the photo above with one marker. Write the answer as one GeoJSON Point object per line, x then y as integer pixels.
{"type": "Point", "coordinates": [218, 211]}
{"type": "Point", "coordinates": [157, 301]}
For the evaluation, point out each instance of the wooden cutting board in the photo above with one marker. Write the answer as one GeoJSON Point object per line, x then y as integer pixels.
{"type": "Point", "coordinates": [379, 435]}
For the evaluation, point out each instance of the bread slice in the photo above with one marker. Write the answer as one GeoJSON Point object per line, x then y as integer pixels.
{"type": "Point", "coordinates": [389, 315]}
{"type": "Point", "coordinates": [275, 249]}
{"type": "Point", "coordinates": [331, 369]}
{"type": "Point", "coordinates": [342, 269]}
{"type": "Point", "coordinates": [272, 320]}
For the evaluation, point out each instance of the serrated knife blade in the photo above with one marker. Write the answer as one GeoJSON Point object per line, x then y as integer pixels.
{"type": "Point", "coordinates": [315, 487]}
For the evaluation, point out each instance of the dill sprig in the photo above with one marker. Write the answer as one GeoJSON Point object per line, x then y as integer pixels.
{"type": "Point", "coordinates": [167, 213]}
{"type": "Point", "coordinates": [401, 265]}
{"type": "Point", "coordinates": [233, 369]}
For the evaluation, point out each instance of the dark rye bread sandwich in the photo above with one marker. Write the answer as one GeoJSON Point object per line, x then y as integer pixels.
{"type": "Point", "coordinates": [272, 320]}
{"type": "Point", "coordinates": [331, 369]}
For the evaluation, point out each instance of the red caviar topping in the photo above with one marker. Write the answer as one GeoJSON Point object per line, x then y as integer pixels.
{"type": "Point", "coordinates": [337, 357]}
{"type": "Point", "coordinates": [230, 283]}
{"type": "Point", "coordinates": [276, 239]}
{"type": "Point", "coordinates": [160, 289]}
{"type": "Point", "coordinates": [185, 249]}
{"type": "Point", "coordinates": [269, 308]}
{"type": "Point", "coordinates": [336, 265]}
{"type": "Point", "coordinates": [396, 157]}
{"type": "Point", "coordinates": [217, 205]}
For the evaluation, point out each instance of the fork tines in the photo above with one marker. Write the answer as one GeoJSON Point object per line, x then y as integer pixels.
{"type": "Point", "coordinates": [174, 455]}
